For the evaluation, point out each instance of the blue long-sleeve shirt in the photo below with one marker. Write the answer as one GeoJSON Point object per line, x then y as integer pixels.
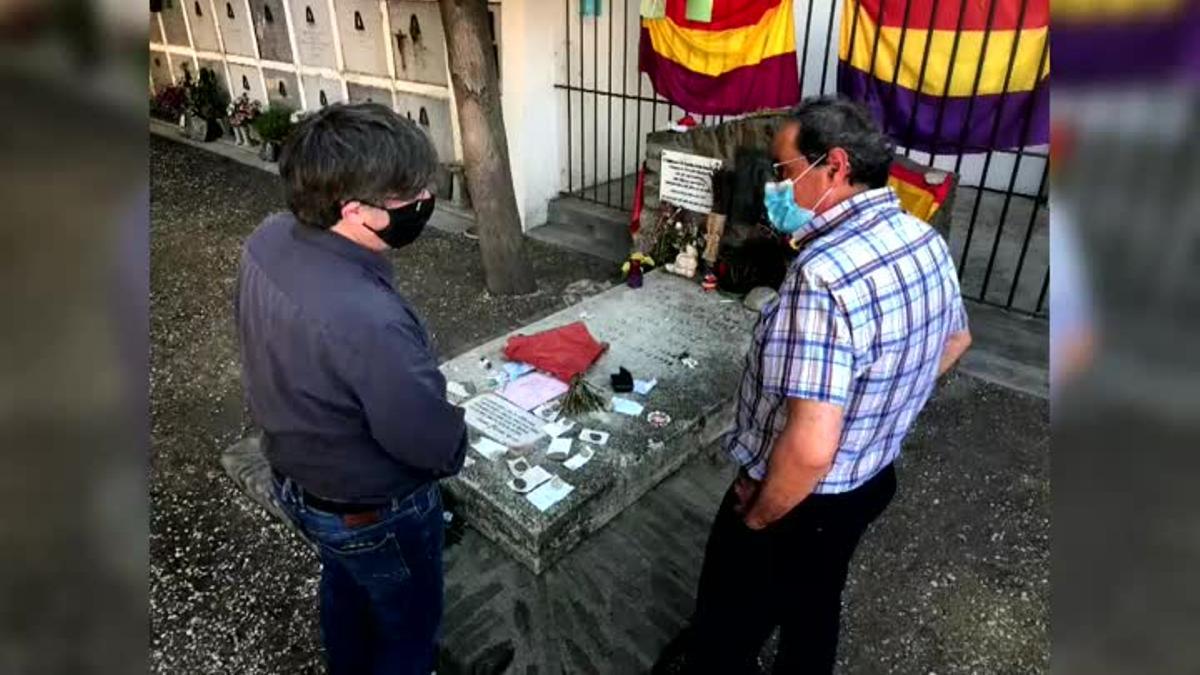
{"type": "Point", "coordinates": [338, 369]}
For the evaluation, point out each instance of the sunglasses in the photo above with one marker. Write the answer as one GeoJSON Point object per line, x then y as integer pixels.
{"type": "Point", "coordinates": [781, 173]}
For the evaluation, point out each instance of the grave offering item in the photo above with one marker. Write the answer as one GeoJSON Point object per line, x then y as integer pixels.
{"type": "Point", "coordinates": [550, 493]}
{"type": "Point", "coordinates": [622, 381]}
{"type": "Point", "coordinates": [644, 387]}
{"type": "Point", "coordinates": [627, 407]}
{"type": "Point", "coordinates": [556, 429]}
{"type": "Point", "coordinates": [685, 263]}
{"type": "Point", "coordinates": [582, 398]}
{"type": "Point", "coordinates": [593, 436]}
{"type": "Point", "coordinates": [489, 449]}
{"type": "Point", "coordinates": [529, 480]}
{"type": "Point", "coordinates": [714, 227]}
{"type": "Point", "coordinates": [563, 352]}
{"type": "Point", "coordinates": [635, 275]}
{"type": "Point", "coordinates": [549, 411]}
{"type": "Point", "coordinates": [582, 457]}
{"type": "Point", "coordinates": [560, 449]}
{"type": "Point", "coordinates": [533, 390]}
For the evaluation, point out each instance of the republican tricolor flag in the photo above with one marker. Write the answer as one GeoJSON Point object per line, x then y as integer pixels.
{"type": "Point", "coordinates": [742, 60]}
{"type": "Point", "coordinates": [950, 76]}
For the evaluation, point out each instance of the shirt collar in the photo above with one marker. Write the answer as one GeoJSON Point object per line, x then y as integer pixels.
{"type": "Point", "coordinates": [846, 210]}
{"type": "Point", "coordinates": [374, 262]}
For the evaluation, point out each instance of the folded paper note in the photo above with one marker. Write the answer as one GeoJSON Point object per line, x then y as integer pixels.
{"type": "Point", "coordinates": [533, 390]}
{"type": "Point", "coordinates": [529, 480]}
{"type": "Point", "coordinates": [627, 407]}
{"type": "Point", "coordinates": [593, 436]}
{"type": "Point", "coordinates": [489, 449]}
{"type": "Point", "coordinates": [515, 369]}
{"type": "Point", "coordinates": [550, 493]}
{"type": "Point", "coordinates": [558, 428]}
{"type": "Point", "coordinates": [560, 448]}
{"type": "Point", "coordinates": [579, 459]}
{"type": "Point", "coordinates": [644, 387]}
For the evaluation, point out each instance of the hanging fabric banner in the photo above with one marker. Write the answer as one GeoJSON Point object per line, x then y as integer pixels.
{"type": "Point", "coordinates": [950, 77]}
{"type": "Point", "coordinates": [743, 59]}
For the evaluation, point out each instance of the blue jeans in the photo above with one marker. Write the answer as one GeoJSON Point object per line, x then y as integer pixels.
{"type": "Point", "coordinates": [381, 584]}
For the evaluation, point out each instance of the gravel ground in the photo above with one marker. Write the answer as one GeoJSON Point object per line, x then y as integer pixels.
{"type": "Point", "coordinates": [954, 579]}
{"type": "Point", "coordinates": [230, 590]}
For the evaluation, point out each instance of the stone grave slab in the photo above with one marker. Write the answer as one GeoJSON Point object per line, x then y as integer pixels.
{"type": "Point", "coordinates": [648, 330]}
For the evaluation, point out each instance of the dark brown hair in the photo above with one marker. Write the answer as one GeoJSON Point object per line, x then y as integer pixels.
{"type": "Point", "coordinates": [361, 151]}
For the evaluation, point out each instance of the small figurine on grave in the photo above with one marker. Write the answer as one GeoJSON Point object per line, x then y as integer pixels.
{"type": "Point", "coordinates": [635, 267]}
{"type": "Point", "coordinates": [710, 283]}
{"type": "Point", "coordinates": [635, 274]}
{"type": "Point", "coordinates": [685, 263]}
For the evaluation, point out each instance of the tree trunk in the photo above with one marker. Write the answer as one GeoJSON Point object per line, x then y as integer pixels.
{"type": "Point", "coordinates": [485, 147]}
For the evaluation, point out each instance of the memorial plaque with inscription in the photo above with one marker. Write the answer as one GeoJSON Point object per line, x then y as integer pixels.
{"type": "Point", "coordinates": [687, 180]}
{"type": "Point", "coordinates": [502, 421]}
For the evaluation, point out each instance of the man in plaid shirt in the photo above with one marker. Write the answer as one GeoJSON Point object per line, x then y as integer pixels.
{"type": "Point", "coordinates": [869, 316]}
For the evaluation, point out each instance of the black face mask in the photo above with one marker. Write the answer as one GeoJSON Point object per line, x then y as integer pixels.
{"type": "Point", "coordinates": [405, 223]}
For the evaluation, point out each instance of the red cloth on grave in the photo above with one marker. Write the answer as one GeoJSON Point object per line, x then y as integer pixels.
{"type": "Point", "coordinates": [564, 352]}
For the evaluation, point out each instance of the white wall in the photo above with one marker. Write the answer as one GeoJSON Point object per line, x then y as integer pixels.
{"type": "Point", "coordinates": [325, 56]}
{"type": "Point", "coordinates": [529, 45]}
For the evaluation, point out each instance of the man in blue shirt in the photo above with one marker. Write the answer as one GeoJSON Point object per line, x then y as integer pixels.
{"type": "Point", "coordinates": [340, 374]}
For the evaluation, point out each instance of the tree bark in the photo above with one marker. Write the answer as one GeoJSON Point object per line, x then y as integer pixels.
{"type": "Point", "coordinates": [485, 147]}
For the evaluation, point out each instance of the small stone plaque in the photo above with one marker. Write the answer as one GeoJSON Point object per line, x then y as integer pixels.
{"type": "Point", "coordinates": [687, 180]}
{"type": "Point", "coordinates": [502, 421]}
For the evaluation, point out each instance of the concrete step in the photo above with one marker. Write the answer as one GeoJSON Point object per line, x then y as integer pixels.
{"type": "Point", "coordinates": [586, 227]}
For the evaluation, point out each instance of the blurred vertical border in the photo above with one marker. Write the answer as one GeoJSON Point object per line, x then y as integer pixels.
{"type": "Point", "coordinates": [73, 338]}
{"type": "Point", "coordinates": [1125, 327]}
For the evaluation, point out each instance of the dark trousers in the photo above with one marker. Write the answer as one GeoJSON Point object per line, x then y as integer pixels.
{"type": "Point", "coordinates": [381, 583]}
{"type": "Point", "coordinates": [789, 574]}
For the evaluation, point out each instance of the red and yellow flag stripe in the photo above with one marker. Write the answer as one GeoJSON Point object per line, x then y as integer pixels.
{"type": "Point", "coordinates": [743, 60]}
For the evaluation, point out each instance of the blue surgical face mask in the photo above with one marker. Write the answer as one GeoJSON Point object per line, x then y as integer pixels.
{"type": "Point", "coordinates": [785, 214]}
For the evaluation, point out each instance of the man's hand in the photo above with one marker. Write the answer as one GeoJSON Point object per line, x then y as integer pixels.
{"type": "Point", "coordinates": [956, 346]}
{"type": "Point", "coordinates": [745, 489]}
{"type": "Point", "coordinates": [800, 459]}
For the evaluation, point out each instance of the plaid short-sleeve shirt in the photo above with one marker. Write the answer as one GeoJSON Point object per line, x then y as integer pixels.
{"type": "Point", "coordinates": [861, 321]}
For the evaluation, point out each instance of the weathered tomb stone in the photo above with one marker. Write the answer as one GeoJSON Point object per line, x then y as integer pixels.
{"type": "Point", "coordinates": [648, 331]}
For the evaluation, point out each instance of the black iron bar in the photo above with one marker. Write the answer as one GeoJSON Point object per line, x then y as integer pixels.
{"type": "Point", "coordinates": [1042, 294]}
{"type": "Point", "coordinates": [937, 126]}
{"type": "Point", "coordinates": [962, 138]}
{"type": "Point", "coordinates": [828, 48]}
{"type": "Point", "coordinates": [570, 117]}
{"type": "Point", "coordinates": [900, 55]}
{"type": "Point", "coordinates": [637, 148]}
{"type": "Point", "coordinates": [992, 138]}
{"type": "Point", "coordinates": [596, 104]}
{"type": "Point", "coordinates": [624, 93]}
{"type": "Point", "coordinates": [582, 109]}
{"type": "Point", "coordinates": [853, 32]}
{"type": "Point", "coordinates": [804, 56]}
{"type": "Point", "coordinates": [878, 32]}
{"type": "Point", "coordinates": [612, 10]}
{"type": "Point", "coordinates": [1033, 213]}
